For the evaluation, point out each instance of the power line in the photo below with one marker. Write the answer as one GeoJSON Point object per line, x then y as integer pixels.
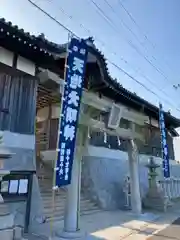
{"type": "Point", "coordinates": [123, 22]}
{"type": "Point", "coordinates": [81, 25]}
{"type": "Point", "coordinates": [115, 65]}
{"type": "Point", "coordinates": [140, 29]}
{"type": "Point", "coordinates": [129, 29]}
{"type": "Point", "coordinates": [110, 22]}
{"type": "Point", "coordinates": [134, 21]}
{"type": "Point", "coordinates": [103, 44]}
{"type": "Point", "coordinates": [52, 18]}
{"type": "Point", "coordinates": [137, 81]}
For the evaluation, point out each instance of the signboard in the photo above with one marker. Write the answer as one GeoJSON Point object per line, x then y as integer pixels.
{"type": "Point", "coordinates": [165, 153]}
{"type": "Point", "coordinates": [17, 187]}
{"type": "Point", "coordinates": [76, 62]}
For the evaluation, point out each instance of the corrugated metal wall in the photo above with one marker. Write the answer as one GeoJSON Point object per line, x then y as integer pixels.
{"type": "Point", "coordinates": [18, 95]}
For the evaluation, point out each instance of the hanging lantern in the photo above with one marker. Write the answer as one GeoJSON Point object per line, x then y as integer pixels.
{"type": "Point", "coordinates": [105, 137]}
{"type": "Point", "coordinates": [89, 134]}
{"type": "Point", "coordinates": [119, 141]}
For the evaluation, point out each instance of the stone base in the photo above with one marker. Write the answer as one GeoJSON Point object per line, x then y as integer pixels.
{"type": "Point", "coordinates": [18, 232]}
{"type": "Point", "coordinates": [7, 234]}
{"type": "Point", "coordinates": [3, 209]}
{"type": "Point", "coordinates": [127, 208]}
{"type": "Point", "coordinates": [6, 221]}
{"type": "Point", "coordinates": [156, 200]}
{"type": "Point", "coordinates": [11, 234]}
{"type": "Point", "coordinates": [7, 229]}
{"type": "Point", "coordinates": [69, 235]}
{"type": "Point", "coordinates": [6, 226]}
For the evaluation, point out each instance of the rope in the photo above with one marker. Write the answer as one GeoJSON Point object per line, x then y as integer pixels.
{"type": "Point", "coordinates": [54, 172]}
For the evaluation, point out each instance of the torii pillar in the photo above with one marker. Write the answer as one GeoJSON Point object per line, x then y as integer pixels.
{"type": "Point", "coordinates": [134, 177]}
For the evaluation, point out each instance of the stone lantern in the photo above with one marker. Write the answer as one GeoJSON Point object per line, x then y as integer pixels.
{"type": "Point", "coordinates": [152, 166]}
{"type": "Point", "coordinates": [155, 198]}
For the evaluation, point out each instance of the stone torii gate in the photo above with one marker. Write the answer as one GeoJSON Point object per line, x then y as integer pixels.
{"type": "Point", "coordinates": [91, 104]}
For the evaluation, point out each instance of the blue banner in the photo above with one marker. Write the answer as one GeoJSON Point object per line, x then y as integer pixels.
{"type": "Point", "coordinates": [76, 63]}
{"type": "Point", "coordinates": [165, 153]}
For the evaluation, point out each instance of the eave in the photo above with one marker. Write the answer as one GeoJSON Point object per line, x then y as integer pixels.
{"type": "Point", "coordinates": [45, 54]}
{"type": "Point", "coordinates": [115, 91]}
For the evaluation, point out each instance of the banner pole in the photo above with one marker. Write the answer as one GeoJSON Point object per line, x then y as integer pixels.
{"type": "Point", "coordinates": [54, 188]}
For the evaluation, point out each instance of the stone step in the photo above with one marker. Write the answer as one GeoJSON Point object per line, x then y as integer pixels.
{"type": "Point", "coordinates": [49, 188]}
{"type": "Point", "coordinates": [60, 206]}
{"type": "Point", "coordinates": [57, 194]}
{"type": "Point", "coordinates": [47, 182]}
{"type": "Point", "coordinates": [49, 193]}
{"type": "Point", "coordinates": [41, 173]}
{"type": "Point", "coordinates": [61, 217]}
{"type": "Point", "coordinates": [60, 212]}
{"type": "Point", "coordinates": [60, 199]}
{"type": "Point", "coordinates": [86, 206]}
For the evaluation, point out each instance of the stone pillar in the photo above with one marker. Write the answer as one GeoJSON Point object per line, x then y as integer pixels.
{"type": "Point", "coordinates": [6, 218]}
{"type": "Point", "coordinates": [6, 223]}
{"type": "Point", "coordinates": [71, 219]}
{"type": "Point", "coordinates": [155, 197]}
{"type": "Point", "coordinates": [134, 177]}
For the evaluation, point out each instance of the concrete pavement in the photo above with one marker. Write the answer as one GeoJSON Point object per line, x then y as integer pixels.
{"type": "Point", "coordinates": [172, 232]}
{"type": "Point", "coordinates": [117, 225]}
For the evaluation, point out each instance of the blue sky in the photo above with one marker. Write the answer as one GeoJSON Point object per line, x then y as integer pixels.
{"type": "Point", "coordinates": [157, 39]}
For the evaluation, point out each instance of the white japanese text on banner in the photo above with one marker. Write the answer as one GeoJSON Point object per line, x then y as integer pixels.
{"type": "Point", "coordinates": [165, 153]}
{"type": "Point", "coordinates": [76, 63]}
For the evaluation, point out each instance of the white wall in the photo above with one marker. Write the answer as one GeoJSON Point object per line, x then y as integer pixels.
{"type": "Point", "coordinates": [22, 64]}
{"type": "Point", "coordinates": [176, 143]}
{"type": "Point", "coordinates": [104, 171]}
{"type": "Point", "coordinates": [102, 152]}
{"type": "Point", "coordinates": [6, 57]}
{"type": "Point", "coordinates": [26, 66]}
{"type": "Point", "coordinates": [17, 140]}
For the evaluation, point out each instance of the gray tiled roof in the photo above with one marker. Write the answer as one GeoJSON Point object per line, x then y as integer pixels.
{"type": "Point", "coordinates": [112, 85]}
